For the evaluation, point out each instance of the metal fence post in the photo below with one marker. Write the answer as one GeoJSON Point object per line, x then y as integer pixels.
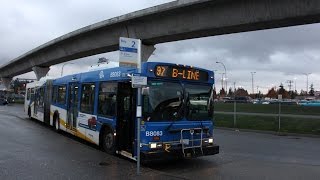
{"type": "Point", "coordinates": [234, 114]}
{"type": "Point", "coordinates": [279, 120]}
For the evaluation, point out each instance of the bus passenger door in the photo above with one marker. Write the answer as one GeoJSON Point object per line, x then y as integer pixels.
{"type": "Point", "coordinates": [72, 106]}
{"type": "Point", "coordinates": [36, 100]}
{"type": "Point", "coordinates": [126, 106]}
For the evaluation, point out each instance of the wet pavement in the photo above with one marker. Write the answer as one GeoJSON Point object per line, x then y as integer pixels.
{"type": "Point", "coordinates": [30, 150]}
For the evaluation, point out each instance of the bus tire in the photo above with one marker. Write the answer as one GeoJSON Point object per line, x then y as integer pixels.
{"type": "Point", "coordinates": [56, 123]}
{"type": "Point", "coordinates": [108, 141]}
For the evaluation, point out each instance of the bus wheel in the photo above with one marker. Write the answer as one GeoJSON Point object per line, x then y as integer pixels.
{"type": "Point", "coordinates": [56, 124]}
{"type": "Point", "coordinates": [108, 142]}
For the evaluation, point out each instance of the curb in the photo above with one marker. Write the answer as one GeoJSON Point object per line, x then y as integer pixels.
{"type": "Point", "coordinates": [270, 132]}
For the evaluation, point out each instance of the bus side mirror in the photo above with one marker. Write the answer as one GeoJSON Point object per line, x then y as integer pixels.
{"type": "Point", "coordinates": [145, 91]}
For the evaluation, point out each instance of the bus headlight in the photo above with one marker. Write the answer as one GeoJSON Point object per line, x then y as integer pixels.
{"type": "Point", "coordinates": [154, 145]}
{"type": "Point", "coordinates": [209, 141]}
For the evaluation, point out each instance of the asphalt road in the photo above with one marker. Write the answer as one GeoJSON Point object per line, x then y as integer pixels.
{"type": "Point", "coordinates": [29, 150]}
{"type": "Point", "coordinates": [247, 155]}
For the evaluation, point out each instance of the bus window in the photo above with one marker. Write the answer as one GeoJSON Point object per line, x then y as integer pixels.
{"type": "Point", "coordinates": [107, 99]}
{"type": "Point", "coordinates": [41, 98]}
{"type": "Point", "coordinates": [199, 105]}
{"type": "Point", "coordinates": [54, 94]}
{"type": "Point", "coordinates": [32, 90]}
{"type": "Point", "coordinates": [87, 98]}
{"type": "Point", "coordinates": [164, 102]}
{"type": "Point", "coordinates": [61, 95]}
{"type": "Point", "coordinates": [28, 94]}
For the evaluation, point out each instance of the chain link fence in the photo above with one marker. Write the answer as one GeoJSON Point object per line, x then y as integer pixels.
{"type": "Point", "coordinates": [278, 116]}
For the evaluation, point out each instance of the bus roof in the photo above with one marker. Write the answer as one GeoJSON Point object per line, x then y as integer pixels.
{"type": "Point", "coordinates": [122, 73]}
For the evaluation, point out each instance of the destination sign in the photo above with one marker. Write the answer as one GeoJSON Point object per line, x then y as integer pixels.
{"type": "Point", "coordinates": [178, 72]}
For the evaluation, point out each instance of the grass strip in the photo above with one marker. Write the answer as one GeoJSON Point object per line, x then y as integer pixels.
{"type": "Point", "coordinates": [288, 124]}
{"type": "Point", "coordinates": [268, 108]}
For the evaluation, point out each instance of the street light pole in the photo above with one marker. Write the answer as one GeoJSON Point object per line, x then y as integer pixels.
{"type": "Point", "coordinates": [252, 73]}
{"type": "Point", "coordinates": [63, 67]}
{"type": "Point", "coordinates": [222, 74]}
{"type": "Point", "coordinates": [307, 74]}
{"type": "Point", "coordinates": [214, 76]}
{"type": "Point", "coordinates": [225, 72]}
{"type": "Point", "coordinates": [295, 84]}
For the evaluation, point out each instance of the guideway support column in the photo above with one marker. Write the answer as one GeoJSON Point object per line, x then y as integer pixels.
{"type": "Point", "coordinates": [6, 82]}
{"type": "Point", "coordinates": [40, 71]}
{"type": "Point", "coordinates": [146, 52]}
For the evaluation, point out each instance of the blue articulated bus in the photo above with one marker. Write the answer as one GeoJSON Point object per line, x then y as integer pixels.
{"type": "Point", "coordinates": [100, 107]}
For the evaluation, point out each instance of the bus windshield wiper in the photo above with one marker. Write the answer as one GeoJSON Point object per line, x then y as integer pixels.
{"type": "Point", "coordinates": [178, 114]}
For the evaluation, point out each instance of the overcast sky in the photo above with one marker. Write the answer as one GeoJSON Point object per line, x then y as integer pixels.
{"type": "Point", "coordinates": [276, 55]}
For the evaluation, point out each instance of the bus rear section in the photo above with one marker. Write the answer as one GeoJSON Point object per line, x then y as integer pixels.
{"type": "Point", "coordinates": [38, 99]}
{"type": "Point", "coordinates": [177, 120]}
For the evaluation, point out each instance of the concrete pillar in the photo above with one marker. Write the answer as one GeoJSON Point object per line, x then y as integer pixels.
{"type": "Point", "coordinates": [6, 82]}
{"type": "Point", "coordinates": [40, 71]}
{"type": "Point", "coordinates": [146, 52]}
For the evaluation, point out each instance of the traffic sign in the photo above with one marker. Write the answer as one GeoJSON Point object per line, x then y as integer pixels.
{"type": "Point", "coordinates": [129, 52]}
{"type": "Point", "coordinates": [138, 81]}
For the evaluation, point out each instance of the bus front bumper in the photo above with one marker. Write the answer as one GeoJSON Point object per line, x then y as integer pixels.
{"type": "Point", "coordinates": [178, 153]}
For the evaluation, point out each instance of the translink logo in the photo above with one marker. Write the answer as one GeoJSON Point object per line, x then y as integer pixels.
{"type": "Point", "coordinates": [101, 75]}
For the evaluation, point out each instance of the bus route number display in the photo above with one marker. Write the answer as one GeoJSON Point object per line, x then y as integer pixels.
{"type": "Point", "coordinates": [177, 72]}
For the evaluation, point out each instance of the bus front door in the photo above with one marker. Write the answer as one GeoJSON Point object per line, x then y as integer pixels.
{"type": "Point", "coordinates": [72, 106]}
{"type": "Point", "coordinates": [126, 115]}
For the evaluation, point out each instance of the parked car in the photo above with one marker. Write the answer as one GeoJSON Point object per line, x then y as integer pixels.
{"type": "Point", "coordinates": [265, 102]}
{"type": "Point", "coordinates": [310, 103]}
{"type": "Point", "coordinates": [240, 99]}
{"type": "Point", "coordinates": [289, 103]}
{"type": "Point", "coordinates": [3, 101]}
{"type": "Point", "coordinates": [260, 101]}
{"type": "Point", "coordinates": [256, 101]}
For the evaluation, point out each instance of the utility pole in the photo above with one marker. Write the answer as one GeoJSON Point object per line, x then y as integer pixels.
{"type": "Point", "coordinates": [307, 74]}
{"type": "Point", "coordinates": [214, 76]}
{"type": "Point", "coordinates": [252, 73]}
{"type": "Point", "coordinates": [295, 84]}
{"type": "Point", "coordinates": [225, 71]}
{"type": "Point", "coordinates": [222, 74]}
{"type": "Point", "coordinates": [63, 67]}
{"type": "Point", "coordinates": [290, 84]}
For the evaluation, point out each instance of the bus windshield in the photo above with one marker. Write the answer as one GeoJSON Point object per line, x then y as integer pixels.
{"type": "Point", "coordinates": [171, 101]}
{"type": "Point", "coordinates": [198, 102]}
{"type": "Point", "coordinates": [163, 102]}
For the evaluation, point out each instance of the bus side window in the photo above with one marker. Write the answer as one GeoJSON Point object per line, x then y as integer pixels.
{"type": "Point", "coordinates": [54, 94]}
{"type": "Point", "coordinates": [87, 98]}
{"type": "Point", "coordinates": [61, 95]}
{"type": "Point", "coordinates": [41, 97]}
{"type": "Point", "coordinates": [107, 99]}
{"type": "Point", "coordinates": [32, 94]}
{"type": "Point", "coordinates": [28, 94]}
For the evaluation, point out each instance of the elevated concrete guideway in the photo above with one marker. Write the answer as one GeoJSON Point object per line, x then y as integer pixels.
{"type": "Point", "coordinates": [178, 20]}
